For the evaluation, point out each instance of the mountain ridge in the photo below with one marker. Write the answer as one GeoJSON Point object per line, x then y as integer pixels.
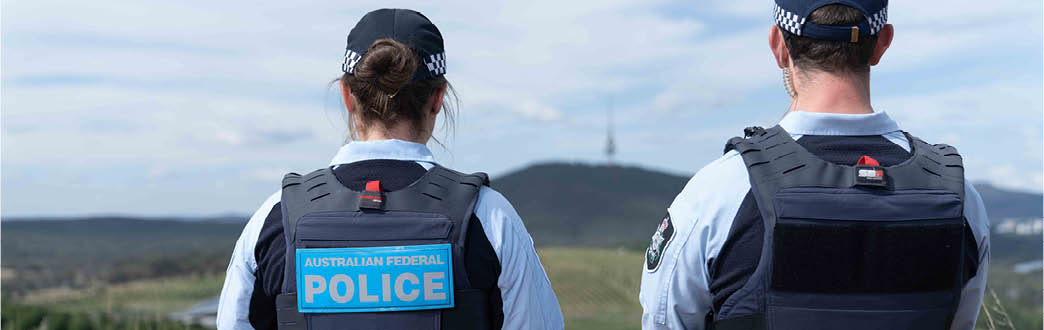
{"type": "Point", "coordinates": [577, 204]}
{"type": "Point", "coordinates": [600, 205]}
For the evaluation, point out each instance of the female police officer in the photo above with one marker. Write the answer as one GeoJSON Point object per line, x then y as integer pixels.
{"type": "Point", "coordinates": [385, 238]}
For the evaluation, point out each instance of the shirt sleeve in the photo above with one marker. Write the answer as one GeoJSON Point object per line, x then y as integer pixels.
{"type": "Point", "coordinates": [234, 303]}
{"type": "Point", "coordinates": [675, 290]}
{"type": "Point", "coordinates": [972, 294]}
{"type": "Point", "coordinates": [528, 301]}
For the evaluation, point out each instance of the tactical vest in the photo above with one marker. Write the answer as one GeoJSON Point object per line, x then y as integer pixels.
{"type": "Point", "coordinates": [850, 247]}
{"type": "Point", "coordinates": [379, 260]}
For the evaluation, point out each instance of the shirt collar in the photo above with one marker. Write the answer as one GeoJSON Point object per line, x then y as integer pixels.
{"type": "Point", "coordinates": [382, 149]}
{"type": "Point", "coordinates": [817, 123]}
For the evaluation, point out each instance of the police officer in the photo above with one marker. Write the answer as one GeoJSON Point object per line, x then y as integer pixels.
{"type": "Point", "coordinates": [833, 219]}
{"type": "Point", "coordinates": [385, 237]}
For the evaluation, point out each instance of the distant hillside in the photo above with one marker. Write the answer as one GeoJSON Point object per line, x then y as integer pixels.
{"type": "Point", "coordinates": [562, 204]}
{"type": "Point", "coordinates": [78, 252]}
{"type": "Point", "coordinates": [1010, 204]}
{"type": "Point", "coordinates": [578, 204]}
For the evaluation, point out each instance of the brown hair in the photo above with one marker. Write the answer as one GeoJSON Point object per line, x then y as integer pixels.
{"type": "Point", "coordinates": [382, 85]}
{"type": "Point", "coordinates": [829, 55]}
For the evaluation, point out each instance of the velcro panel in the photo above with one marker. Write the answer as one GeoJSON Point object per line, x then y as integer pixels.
{"type": "Point", "coordinates": [838, 241]}
{"type": "Point", "coordinates": [866, 257]}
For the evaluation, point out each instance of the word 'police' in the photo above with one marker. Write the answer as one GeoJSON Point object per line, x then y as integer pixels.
{"type": "Point", "coordinates": [405, 287]}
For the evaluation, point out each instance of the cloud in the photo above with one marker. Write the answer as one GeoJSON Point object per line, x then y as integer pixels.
{"type": "Point", "coordinates": [535, 110]}
{"type": "Point", "coordinates": [265, 175]}
{"type": "Point", "coordinates": [1011, 177]}
{"type": "Point", "coordinates": [223, 96]}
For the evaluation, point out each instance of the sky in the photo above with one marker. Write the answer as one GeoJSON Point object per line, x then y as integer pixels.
{"type": "Point", "coordinates": [195, 108]}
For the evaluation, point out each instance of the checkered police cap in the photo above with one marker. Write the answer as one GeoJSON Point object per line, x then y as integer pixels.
{"type": "Point", "coordinates": [791, 15]}
{"type": "Point", "coordinates": [405, 26]}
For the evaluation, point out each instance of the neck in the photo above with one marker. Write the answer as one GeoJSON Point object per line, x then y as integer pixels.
{"type": "Point", "coordinates": [829, 93]}
{"type": "Point", "coordinates": [398, 132]}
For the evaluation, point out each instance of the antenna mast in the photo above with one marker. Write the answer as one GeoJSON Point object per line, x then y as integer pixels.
{"type": "Point", "coordinates": [610, 145]}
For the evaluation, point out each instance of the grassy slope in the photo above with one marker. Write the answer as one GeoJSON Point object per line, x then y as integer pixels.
{"type": "Point", "coordinates": [597, 288]}
{"type": "Point", "coordinates": [144, 297]}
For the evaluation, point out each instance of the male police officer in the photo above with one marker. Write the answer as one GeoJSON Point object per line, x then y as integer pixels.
{"type": "Point", "coordinates": [835, 218]}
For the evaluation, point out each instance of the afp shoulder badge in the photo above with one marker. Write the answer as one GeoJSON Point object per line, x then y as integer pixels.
{"type": "Point", "coordinates": [660, 239]}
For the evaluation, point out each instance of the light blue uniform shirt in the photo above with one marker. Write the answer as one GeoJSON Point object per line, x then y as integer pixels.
{"type": "Point", "coordinates": [676, 295]}
{"type": "Point", "coordinates": [528, 301]}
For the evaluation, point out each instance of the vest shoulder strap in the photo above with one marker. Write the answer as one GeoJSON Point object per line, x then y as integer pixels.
{"type": "Point", "coordinates": [443, 191]}
{"type": "Point", "coordinates": [775, 161]}
{"type": "Point", "coordinates": [300, 193]}
{"type": "Point", "coordinates": [440, 190]}
{"type": "Point", "coordinates": [932, 165]}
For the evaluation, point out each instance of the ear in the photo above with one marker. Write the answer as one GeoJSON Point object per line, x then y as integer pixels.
{"type": "Point", "coordinates": [346, 93]}
{"type": "Point", "coordinates": [436, 100]}
{"type": "Point", "coordinates": [779, 47]}
{"type": "Point", "coordinates": [884, 39]}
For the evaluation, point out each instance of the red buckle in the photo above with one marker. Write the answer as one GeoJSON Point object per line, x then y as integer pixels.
{"type": "Point", "coordinates": [376, 185]}
{"type": "Point", "coordinates": [372, 197]}
{"type": "Point", "coordinates": [868, 161]}
{"type": "Point", "coordinates": [870, 173]}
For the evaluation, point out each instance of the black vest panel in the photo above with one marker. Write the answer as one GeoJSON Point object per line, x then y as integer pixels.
{"type": "Point", "coordinates": [319, 212]}
{"type": "Point", "coordinates": [852, 247]}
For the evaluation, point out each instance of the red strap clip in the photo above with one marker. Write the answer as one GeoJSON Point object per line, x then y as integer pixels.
{"type": "Point", "coordinates": [372, 198]}
{"type": "Point", "coordinates": [870, 173]}
{"type": "Point", "coordinates": [868, 161]}
{"type": "Point", "coordinates": [376, 185]}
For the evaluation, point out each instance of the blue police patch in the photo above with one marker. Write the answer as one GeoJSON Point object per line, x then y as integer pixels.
{"type": "Point", "coordinates": [660, 239]}
{"type": "Point", "coordinates": [374, 279]}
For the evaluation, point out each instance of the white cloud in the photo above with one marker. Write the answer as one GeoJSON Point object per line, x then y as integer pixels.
{"type": "Point", "coordinates": [229, 94]}
{"type": "Point", "coordinates": [535, 110]}
{"type": "Point", "coordinates": [265, 175]}
{"type": "Point", "coordinates": [1010, 177]}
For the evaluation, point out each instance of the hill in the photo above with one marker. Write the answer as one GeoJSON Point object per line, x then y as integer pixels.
{"type": "Point", "coordinates": [79, 252]}
{"type": "Point", "coordinates": [562, 205]}
{"type": "Point", "coordinates": [597, 205]}
{"type": "Point", "coordinates": [590, 205]}
{"type": "Point", "coordinates": [1002, 203]}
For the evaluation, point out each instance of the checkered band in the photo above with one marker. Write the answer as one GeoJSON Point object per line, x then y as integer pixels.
{"type": "Point", "coordinates": [436, 64]}
{"type": "Point", "coordinates": [350, 60]}
{"type": "Point", "coordinates": [789, 21]}
{"type": "Point", "coordinates": [878, 21]}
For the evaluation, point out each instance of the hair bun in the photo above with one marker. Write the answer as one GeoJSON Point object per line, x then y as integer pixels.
{"type": "Point", "coordinates": [388, 65]}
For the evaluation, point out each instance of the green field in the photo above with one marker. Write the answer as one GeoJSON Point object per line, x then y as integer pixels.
{"type": "Point", "coordinates": [597, 288]}
{"type": "Point", "coordinates": [157, 297]}
{"type": "Point", "coordinates": [130, 273]}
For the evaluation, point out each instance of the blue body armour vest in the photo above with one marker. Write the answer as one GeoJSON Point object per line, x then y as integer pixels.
{"type": "Point", "coordinates": [379, 260]}
{"type": "Point", "coordinates": [850, 247]}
